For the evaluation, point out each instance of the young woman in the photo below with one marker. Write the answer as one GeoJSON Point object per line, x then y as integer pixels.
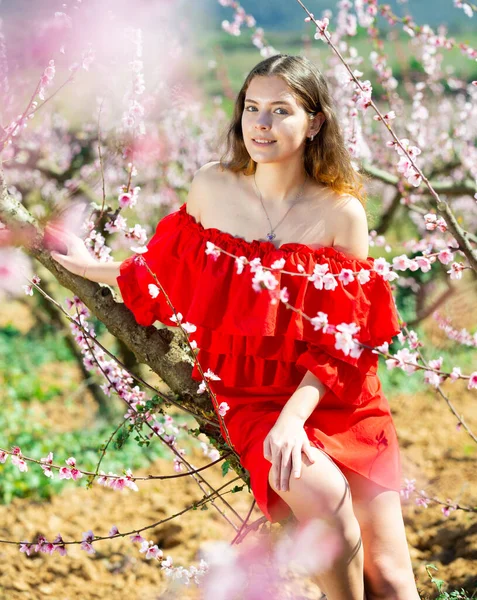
{"type": "Point", "coordinates": [309, 420]}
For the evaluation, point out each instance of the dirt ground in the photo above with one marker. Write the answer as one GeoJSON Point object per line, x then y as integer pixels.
{"type": "Point", "coordinates": [434, 452]}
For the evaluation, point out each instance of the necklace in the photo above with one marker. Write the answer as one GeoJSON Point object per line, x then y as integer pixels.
{"type": "Point", "coordinates": [272, 235]}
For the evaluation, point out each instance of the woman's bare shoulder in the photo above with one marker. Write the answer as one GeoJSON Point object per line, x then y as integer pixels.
{"type": "Point", "coordinates": [203, 187]}
{"type": "Point", "coordinates": [213, 167]}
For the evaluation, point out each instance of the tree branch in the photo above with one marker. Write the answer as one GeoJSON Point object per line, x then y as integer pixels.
{"type": "Point", "coordinates": [159, 349]}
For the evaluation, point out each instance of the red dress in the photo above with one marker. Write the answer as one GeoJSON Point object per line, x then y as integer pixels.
{"type": "Point", "coordinates": [261, 350]}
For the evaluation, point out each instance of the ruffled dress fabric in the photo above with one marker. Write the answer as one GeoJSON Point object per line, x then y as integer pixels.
{"type": "Point", "coordinates": [261, 349]}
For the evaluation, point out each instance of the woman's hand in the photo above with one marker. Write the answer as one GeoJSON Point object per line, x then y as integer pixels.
{"type": "Point", "coordinates": [77, 259]}
{"type": "Point", "coordinates": [283, 446]}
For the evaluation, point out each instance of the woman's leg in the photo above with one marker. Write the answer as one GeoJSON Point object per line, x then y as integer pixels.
{"type": "Point", "coordinates": [322, 492]}
{"type": "Point", "coordinates": [387, 564]}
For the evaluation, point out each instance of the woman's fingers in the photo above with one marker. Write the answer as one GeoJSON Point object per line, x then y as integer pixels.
{"type": "Point", "coordinates": [297, 462]}
{"type": "Point", "coordinates": [267, 453]}
{"type": "Point", "coordinates": [285, 469]}
{"type": "Point", "coordinates": [276, 467]}
{"type": "Point", "coordinates": [307, 450]}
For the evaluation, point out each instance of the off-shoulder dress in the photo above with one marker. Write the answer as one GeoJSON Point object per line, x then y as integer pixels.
{"type": "Point", "coordinates": [261, 349]}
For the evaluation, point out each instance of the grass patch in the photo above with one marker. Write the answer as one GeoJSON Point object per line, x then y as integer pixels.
{"type": "Point", "coordinates": [21, 428]}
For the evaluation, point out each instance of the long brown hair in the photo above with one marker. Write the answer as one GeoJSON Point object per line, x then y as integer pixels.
{"type": "Point", "coordinates": [326, 158]}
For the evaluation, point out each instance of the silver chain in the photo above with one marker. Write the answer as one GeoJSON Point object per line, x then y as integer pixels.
{"type": "Point", "coordinates": [271, 235]}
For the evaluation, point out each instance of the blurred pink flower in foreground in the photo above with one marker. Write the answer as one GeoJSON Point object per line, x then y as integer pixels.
{"type": "Point", "coordinates": [15, 267]}
{"type": "Point", "coordinates": [257, 568]}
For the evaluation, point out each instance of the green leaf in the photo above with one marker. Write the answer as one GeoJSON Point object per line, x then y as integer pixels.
{"type": "Point", "coordinates": [225, 467]}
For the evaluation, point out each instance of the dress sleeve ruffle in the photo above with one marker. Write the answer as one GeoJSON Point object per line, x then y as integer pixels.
{"type": "Point", "coordinates": [212, 295]}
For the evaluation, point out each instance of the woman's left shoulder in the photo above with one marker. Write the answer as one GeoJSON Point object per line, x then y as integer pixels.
{"type": "Point", "coordinates": [350, 226]}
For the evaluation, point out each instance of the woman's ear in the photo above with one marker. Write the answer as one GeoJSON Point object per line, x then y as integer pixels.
{"type": "Point", "coordinates": [318, 121]}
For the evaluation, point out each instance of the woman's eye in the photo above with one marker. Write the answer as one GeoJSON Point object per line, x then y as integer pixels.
{"type": "Point", "coordinates": [284, 111]}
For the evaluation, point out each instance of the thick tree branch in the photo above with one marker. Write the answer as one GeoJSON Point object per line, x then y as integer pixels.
{"type": "Point", "coordinates": [159, 349]}
{"type": "Point", "coordinates": [452, 188]}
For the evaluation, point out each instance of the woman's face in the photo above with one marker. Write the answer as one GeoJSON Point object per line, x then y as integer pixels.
{"type": "Point", "coordinates": [271, 112]}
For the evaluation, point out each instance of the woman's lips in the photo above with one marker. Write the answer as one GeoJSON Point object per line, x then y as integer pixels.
{"type": "Point", "coordinates": [262, 145]}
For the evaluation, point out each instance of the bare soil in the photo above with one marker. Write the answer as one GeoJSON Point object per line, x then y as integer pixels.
{"type": "Point", "coordinates": [440, 458]}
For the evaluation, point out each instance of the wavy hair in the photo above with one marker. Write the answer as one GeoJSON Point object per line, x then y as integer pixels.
{"type": "Point", "coordinates": [326, 158]}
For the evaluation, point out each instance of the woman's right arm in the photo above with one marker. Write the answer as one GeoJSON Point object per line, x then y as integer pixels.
{"type": "Point", "coordinates": [78, 259]}
{"type": "Point", "coordinates": [102, 272]}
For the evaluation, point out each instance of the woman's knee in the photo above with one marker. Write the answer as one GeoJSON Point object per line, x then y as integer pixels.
{"type": "Point", "coordinates": [321, 491]}
{"type": "Point", "coordinates": [386, 580]}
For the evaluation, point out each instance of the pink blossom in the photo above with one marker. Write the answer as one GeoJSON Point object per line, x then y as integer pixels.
{"type": "Point", "coordinates": [48, 460]}
{"type": "Point", "coordinates": [124, 199]}
{"type": "Point", "coordinates": [189, 327]}
{"type": "Point", "coordinates": [47, 548]}
{"type": "Point", "coordinates": [223, 408]}
{"type": "Point", "coordinates": [456, 270]}
{"type": "Point", "coordinates": [49, 72]}
{"type": "Point", "coordinates": [177, 318]}
{"type": "Point", "coordinates": [20, 463]}
{"type": "Point", "coordinates": [346, 276]}
{"type": "Point", "coordinates": [422, 501]}
{"type": "Point", "coordinates": [445, 256]}
{"type": "Point", "coordinates": [76, 474]}
{"type": "Point", "coordinates": [472, 381]}
{"type": "Point", "coordinates": [41, 540]}
{"type": "Point", "coordinates": [408, 488]}
{"type": "Point", "coordinates": [455, 374]}
{"type": "Point", "coordinates": [321, 29]}
{"type": "Point", "coordinates": [317, 275]}
{"type": "Point", "coordinates": [118, 483]}
{"type": "Point", "coordinates": [59, 545]}
{"type": "Point", "coordinates": [61, 550]}
{"type": "Point", "coordinates": [64, 473]}
{"type": "Point", "coordinates": [240, 264]}
{"type": "Point", "coordinates": [320, 321]}
{"type": "Point", "coordinates": [151, 551]}
{"type": "Point", "coordinates": [329, 282]}
{"type": "Point", "coordinates": [344, 340]}
{"type": "Point", "coordinates": [119, 224]}
{"type": "Point", "coordinates": [103, 479]}
{"type": "Point", "coordinates": [153, 290]}
{"type": "Point", "coordinates": [88, 537]}
{"type": "Point", "coordinates": [362, 96]}
{"type": "Point", "coordinates": [381, 266]}
{"type": "Point", "coordinates": [137, 539]}
{"type": "Point", "coordinates": [87, 547]}
{"type": "Point", "coordinates": [432, 378]}
{"type": "Point", "coordinates": [364, 276]}
{"type": "Point", "coordinates": [3, 456]}
{"type": "Point", "coordinates": [264, 280]}
{"type": "Point", "coordinates": [436, 363]}
{"type": "Point", "coordinates": [25, 547]}
{"type": "Point", "coordinates": [401, 358]}
{"type": "Point", "coordinates": [47, 471]}
{"type": "Point", "coordinates": [430, 221]}
{"type": "Point", "coordinates": [401, 263]}
{"type": "Point", "coordinates": [278, 264]}
{"type": "Point", "coordinates": [113, 531]}
{"type": "Point", "coordinates": [414, 177]}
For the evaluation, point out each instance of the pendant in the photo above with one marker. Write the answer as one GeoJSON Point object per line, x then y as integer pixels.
{"type": "Point", "coordinates": [271, 236]}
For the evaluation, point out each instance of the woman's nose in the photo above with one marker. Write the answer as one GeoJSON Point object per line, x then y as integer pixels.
{"type": "Point", "coordinates": [263, 122]}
